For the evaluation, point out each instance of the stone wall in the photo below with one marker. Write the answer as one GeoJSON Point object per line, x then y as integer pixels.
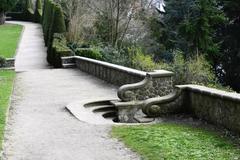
{"type": "Point", "coordinates": [119, 75]}
{"type": "Point", "coordinates": [215, 106]}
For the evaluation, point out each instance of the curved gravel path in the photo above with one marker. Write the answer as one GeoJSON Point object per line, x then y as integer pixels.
{"type": "Point", "coordinates": [39, 127]}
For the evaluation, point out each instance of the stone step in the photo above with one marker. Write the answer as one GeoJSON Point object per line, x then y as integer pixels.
{"type": "Point", "coordinates": [69, 65]}
{"type": "Point", "coordinates": [105, 108]}
{"type": "Point", "coordinates": [110, 114]}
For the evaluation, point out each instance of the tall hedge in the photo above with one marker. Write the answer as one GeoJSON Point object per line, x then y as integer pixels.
{"type": "Point", "coordinates": [47, 18]}
{"type": "Point", "coordinates": [57, 24]}
{"type": "Point", "coordinates": [38, 11]}
{"type": "Point", "coordinates": [29, 10]}
{"type": "Point", "coordinates": [53, 22]}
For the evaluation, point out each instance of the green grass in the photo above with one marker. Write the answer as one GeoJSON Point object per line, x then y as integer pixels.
{"type": "Point", "coordinates": [9, 37]}
{"type": "Point", "coordinates": [6, 85]}
{"type": "Point", "coordinates": [176, 142]}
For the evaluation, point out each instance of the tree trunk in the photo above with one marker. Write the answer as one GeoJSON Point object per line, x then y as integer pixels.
{"type": "Point", "coordinates": [2, 17]}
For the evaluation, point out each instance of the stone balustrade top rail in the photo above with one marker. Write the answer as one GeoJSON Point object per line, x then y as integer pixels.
{"type": "Point", "coordinates": [212, 92]}
{"type": "Point", "coordinates": [156, 73]}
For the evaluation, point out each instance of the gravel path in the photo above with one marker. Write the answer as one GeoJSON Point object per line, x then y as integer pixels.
{"type": "Point", "coordinates": [39, 127]}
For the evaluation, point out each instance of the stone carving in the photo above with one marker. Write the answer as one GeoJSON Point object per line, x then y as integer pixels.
{"type": "Point", "coordinates": [159, 106]}
{"type": "Point", "coordinates": [154, 85]}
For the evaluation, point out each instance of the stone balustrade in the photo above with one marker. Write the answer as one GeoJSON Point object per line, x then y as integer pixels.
{"type": "Point", "coordinates": [215, 106]}
{"type": "Point", "coordinates": [153, 94]}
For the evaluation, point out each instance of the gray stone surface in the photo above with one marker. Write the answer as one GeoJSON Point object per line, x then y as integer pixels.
{"type": "Point", "coordinates": [215, 106]}
{"type": "Point", "coordinates": [39, 127]}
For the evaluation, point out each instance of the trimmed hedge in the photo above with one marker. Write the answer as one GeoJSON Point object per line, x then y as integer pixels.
{"type": "Point", "coordinates": [29, 11]}
{"type": "Point", "coordinates": [53, 21]}
{"type": "Point", "coordinates": [38, 11]}
{"type": "Point", "coordinates": [47, 18]}
{"type": "Point", "coordinates": [89, 53]}
{"type": "Point", "coordinates": [53, 28]}
{"type": "Point", "coordinates": [57, 25]}
{"type": "Point", "coordinates": [59, 49]}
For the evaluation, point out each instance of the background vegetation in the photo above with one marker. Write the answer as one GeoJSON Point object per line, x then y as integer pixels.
{"type": "Point", "coordinates": [196, 39]}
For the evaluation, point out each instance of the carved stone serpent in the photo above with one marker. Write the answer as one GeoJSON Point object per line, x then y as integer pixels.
{"type": "Point", "coordinates": [163, 105]}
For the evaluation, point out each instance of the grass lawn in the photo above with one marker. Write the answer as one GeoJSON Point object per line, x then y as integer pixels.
{"type": "Point", "coordinates": [6, 85]}
{"type": "Point", "coordinates": [9, 37]}
{"type": "Point", "coordinates": [176, 142]}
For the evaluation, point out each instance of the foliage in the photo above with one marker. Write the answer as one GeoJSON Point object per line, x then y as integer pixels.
{"type": "Point", "coordinates": [53, 22]}
{"type": "Point", "coordinates": [59, 49]}
{"type": "Point", "coordinates": [6, 5]}
{"type": "Point", "coordinates": [93, 53]}
{"type": "Point", "coordinates": [231, 41]}
{"type": "Point", "coordinates": [57, 25]}
{"type": "Point", "coordinates": [28, 11]}
{"type": "Point", "coordinates": [196, 71]}
{"type": "Point", "coordinates": [141, 61]}
{"type": "Point", "coordinates": [195, 26]}
{"type": "Point", "coordinates": [6, 86]}
{"type": "Point", "coordinates": [38, 11]}
{"type": "Point", "coordinates": [116, 56]}
{"type": "Point", "coordinates": [113, 20]}
{"type": "Point", "coordinates": [47, 18]}
{"type": "Point", "coordinates": [20, 5]}
{"type": "Point", "coordinates": [10, 35]}
{"type": "Point", "coordinates": [172, 141]}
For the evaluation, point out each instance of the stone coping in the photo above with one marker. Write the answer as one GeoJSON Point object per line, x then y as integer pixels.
{"type": "Point", "coordinates": [156, 73]}
{"type": "Point", "coordinates": [211, 92]}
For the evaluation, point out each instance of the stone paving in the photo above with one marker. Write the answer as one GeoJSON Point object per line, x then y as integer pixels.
{"type": "Point", "coordinates": [39, 127]}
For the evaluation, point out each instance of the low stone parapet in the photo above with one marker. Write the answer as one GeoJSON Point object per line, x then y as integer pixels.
{"type": "Point", "coordinates": [119, 75]}
{"type": "Point", "coordinates": [215, 106]}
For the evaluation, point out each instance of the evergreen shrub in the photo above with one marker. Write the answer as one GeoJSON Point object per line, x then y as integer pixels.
{"type": "Point", "coordinates": [59, 49]}
{"type": "Point", "coordinates": [38, 11]}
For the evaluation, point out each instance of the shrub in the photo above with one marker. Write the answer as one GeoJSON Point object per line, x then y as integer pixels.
{"type": "Point", "coordinates": [38, 11]}
{"type": "Point", "coordinates": [53, 22]}
{"type": "Point", "coordinates": [2, 61]}
{"type": "Point", "coordinates": [47, 19]}
{"type": "Point", "coordinates": [192, 71]}
{"type": "Point", "coordinates": [93, 53]}
{"type": "Point", "coordinates": [58, 23]}
{"type": "Point", "coordinates": [112, 55]}
{"type": "Point", "coordinates": [141, 61]}
{"type": "Point", "coordinates": [59, 49]}
{"type": "Point", "coordinates": [29, 11]}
